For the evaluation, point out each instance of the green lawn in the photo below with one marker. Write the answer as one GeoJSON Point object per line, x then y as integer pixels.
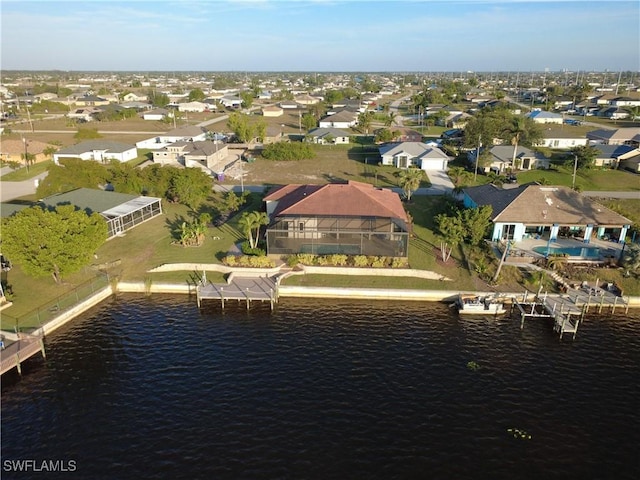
{"type": "Point", "coordinates": [21, 174]}
{"type": "Point", "coordinates": [592, 179]}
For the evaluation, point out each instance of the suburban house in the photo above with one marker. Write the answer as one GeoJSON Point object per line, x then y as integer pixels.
{"type": "Point", "coordinates": [612, 155]}
{"type": "Point", "coordinates": [133, 97]}
{"type": "Point", "coordinates": [561, 137]}
{"type": "Point", "coordinates": [405, 134]}
{"type": "Point", "coordinates": [190, 133]}
{"type": "Point", "coordinates": [329, 136]}
{"type": "Point", "coordinates": [13, 150]}
{"type": "Point", "coordinates": [231, 101]}
{"type": "Point", "coordinates": [121, 211]}
{"type": "Point", "coordinates": [204, 154]}
{"type": "Point", "coordinates": [83, 114]}
{"type": "Point", "coordinates": [157, 114]}
{"type": "Point", "coordinates": [272, 111]}
{"type": "Point", "coordinates": [546, 212]}
{"type": "Point", "coordinates": [289, 105]}
{"type": "Point", "coordinates": [418, 154]}
{"type": "Point", "coordinates": [196, 107]}
{"type": "Point", "coordinates": [91, 101]}
{"type": "Point", "coordinates": [99, 151]}
{"type": "Point", "coordinates": [338, 218]}
{"type": "Point", "coordinates": [306, 100]}
{"type": "Point", "coordinates": [631, 163]}
{"type": "Point", "coordinates": [342, 119]}
{"type": "Point", "coordinates": [620, 136]}
{"type": "Point", "coordinates": [540, 116]}
{"type": "Point", "coordinates": [502, 159]}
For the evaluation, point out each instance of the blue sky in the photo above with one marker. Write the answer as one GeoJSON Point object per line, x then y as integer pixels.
{"type": "Point", "coordinates": [320, 35]}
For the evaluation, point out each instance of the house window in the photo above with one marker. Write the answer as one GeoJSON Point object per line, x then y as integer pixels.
{"type": "Point", "coordinates": [301, 226]}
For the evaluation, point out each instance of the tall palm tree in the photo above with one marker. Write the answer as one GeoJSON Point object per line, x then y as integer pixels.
{"type": "Point", "coordinates": [410, 181]}
{"type": "Point", "coordinates": [634, 112]}
{"type": "Point", "coordinates": [250, 222]}
{"type": "Point", "coordinates": [390, 119]}
{"type": "Point", "coordinates": [515, 131]}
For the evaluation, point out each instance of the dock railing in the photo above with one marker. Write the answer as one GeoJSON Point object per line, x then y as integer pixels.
{"type": "Point", "coordinates": [36, 318]}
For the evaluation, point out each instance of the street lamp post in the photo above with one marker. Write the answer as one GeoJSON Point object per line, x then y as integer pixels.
{"type": "Point", "coordinates": [575, 168]}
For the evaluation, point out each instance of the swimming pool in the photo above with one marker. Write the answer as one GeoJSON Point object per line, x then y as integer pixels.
{"type": "Point", "coordinates": [583, 252]}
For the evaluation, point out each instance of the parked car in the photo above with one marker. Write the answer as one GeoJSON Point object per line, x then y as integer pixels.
{"type": "Point", "coordinates": [511, 178]}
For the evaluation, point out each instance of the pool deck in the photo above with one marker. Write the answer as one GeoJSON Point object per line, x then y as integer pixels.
{"type": "Point", "coordinates": [607, 248]}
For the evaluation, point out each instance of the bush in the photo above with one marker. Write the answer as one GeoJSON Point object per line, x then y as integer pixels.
{"type": "Point", "coordinates": [288, 151]}
{"type": "Point", "coordinates": [247, 250]}
{"type": "Point", "coordinates": [360, 261]}
{"type": "Point", "coordinates": [399, 263]}
{"type": "Point", "coordinates": [338, 260]}
{"type": "Point", "coordinates": [248, 261]}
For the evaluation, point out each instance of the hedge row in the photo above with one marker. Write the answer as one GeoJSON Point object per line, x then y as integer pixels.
{"type": "Point", "coordinates": [248, 261]}
{"type": "Point", "coordinates": [339, 260]}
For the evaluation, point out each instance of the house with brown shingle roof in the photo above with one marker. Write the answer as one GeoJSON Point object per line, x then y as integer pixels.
{"type": "Point", "coordinates": [536, 211]}
{"type": "Point", "coordinates": [338, 218]}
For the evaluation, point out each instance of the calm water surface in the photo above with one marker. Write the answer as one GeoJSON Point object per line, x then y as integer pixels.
{"type": "Point", "coordinates": [151, 388]}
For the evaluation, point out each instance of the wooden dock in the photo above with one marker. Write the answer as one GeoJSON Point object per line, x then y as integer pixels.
{"type": "Point", "coordinates": [565, 313]}
{"type": "Point", "coordinates": [25, 347]}
{"type": "Point", "coordinates": [242, 289]}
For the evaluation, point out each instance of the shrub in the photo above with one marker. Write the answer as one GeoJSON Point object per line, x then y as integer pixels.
{"type": "Point", "coordinates": [230, 260]}
{"type": "Point", "coordinates": [397, 262]}
{"type": "Point", "coordinates": [360, 261]}
{"type": "Point", "coordinates": [288, 151]}
{"type": "Point", "coordinates": [338, 260]}
{"type": "Point", "coordinates": [378, 262]}
{"type": "Point", "coordinates": [245, 247]}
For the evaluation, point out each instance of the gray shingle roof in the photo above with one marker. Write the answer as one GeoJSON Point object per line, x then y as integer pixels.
{"type": "Point", "coordinates": [90, 145]}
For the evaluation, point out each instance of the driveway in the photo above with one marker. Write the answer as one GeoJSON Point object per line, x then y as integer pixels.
{"type": "Point", "coordinates": [13, 190]}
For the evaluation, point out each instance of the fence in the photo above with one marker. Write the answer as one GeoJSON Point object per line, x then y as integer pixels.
{"type": "Point", "coordinates": [40, 315]}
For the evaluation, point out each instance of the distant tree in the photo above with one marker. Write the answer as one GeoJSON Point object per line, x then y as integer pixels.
{"type": "Point", "coordinates": [390, 120]}
{"type": "Point", "coordinates": [50, 150]}
{"type": "Point", "coordinates": [87, 134]}
{"type": "Point", "coordinates": [58, 243]}
{"type": "Point", "coordinates": [521, 131]}
{"type": "Point", "coordinates": [240, 126]}
{"type": "Point", "coordinates": [364, 122]}
{"type": "Point", "coordinates": [410, 180]}
{"type": "Point", "coordinates": [586, 156]}
{"type": "Point", "coordinates": [260, 128]}
{"type": "Point", "coordinates": [384, 135]}
{"type": "Point", "coordinates": [247, 98]}
{"type": "Point", "coordinates": [634, 112]}
{"type": "Point", "coordinates": [158, 99]}
{"type": "Point", "coordinates": [196, 95]}
{"type": "Point", "coordinates": [476, 222]}
{"type": "Point", "coordinates": [308, 121]}
{"type": "Point", "coordinates": [125, 178]}
{"type": "Point", "coordinates": [333, 96]}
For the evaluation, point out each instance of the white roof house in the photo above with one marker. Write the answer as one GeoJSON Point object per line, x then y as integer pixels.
{"type": "Point", "coordinates": [540, 116]}
{"type": "Point", "coordinates": [407, 154]}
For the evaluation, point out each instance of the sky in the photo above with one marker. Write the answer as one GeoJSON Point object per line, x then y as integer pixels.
{"type": "Point", "coordinates": [320, 35]}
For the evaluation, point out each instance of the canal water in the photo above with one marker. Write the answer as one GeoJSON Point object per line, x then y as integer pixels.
{"type": "Point", "coordinates": [148, 387]}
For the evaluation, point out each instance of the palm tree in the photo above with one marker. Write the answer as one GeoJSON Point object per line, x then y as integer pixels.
{"type": "Point", "coordinates": [251, 221]}
{"type": "Point", "coordinates": [364, 121]}
{"type": "Point", "coordinates": [631, 259]}
{"type": "Point", "coordinates": [516, 130]}
{"type": "Point", "coordinates": [390, 119]}
{"type": "Point", "coordinates": [634, 112]}
{"type": "Point", "coordinates": [410, 180]}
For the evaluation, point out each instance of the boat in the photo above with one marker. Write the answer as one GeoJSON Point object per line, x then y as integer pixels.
{"type": "Point", "coordinates": [480, 305]}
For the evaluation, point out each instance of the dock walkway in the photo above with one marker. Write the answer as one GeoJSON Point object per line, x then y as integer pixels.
{"type": "Point", "coordinates": [247, 289]}
{"type": "Point", "coordinates": [17, 352]}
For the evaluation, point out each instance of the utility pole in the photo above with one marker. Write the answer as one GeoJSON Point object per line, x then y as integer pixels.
{"type": "Point", "coordinates": [475, 176]}
{"type": "Point", "coordinates": [26, 153]}
{"type": "Point", "coordinates": [575, 168]}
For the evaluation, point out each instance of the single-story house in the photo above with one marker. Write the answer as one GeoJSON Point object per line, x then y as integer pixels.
{"type": "Point", "coordinates": [99, 151]}
{"type": "Point", "coordinates": [134, 97]}
{"type": "Point", "coordinates": [157, 114]}
{"type": "Point", "coordinates": [540, 211]}
{"type": "Point", "coordinates": [540, 116]}
{"type": "Point", "coordinates": [288, 105]}
{"type": "Point", "coordinates": [418, 154]}
{"type": "Point", "coordinates": [190, 133]}
{"type": "Point", "coordinates": [561, 137]}
{"type": "Point", "coordinates": [231, 101]}
{"type": "Point", "coordinates": [121, 211]}
{"type": "Point", "coordinates": [306, 100]}
{"type": "Point", "coordinates": [337, 218]}
{"type": "Point", "coordinates": [12, 150]}
{"type": "Point", "coordinates": [342, 119]}
{"type": "Point", "coordinates": [205, 154]}
{"type": "Point", "coordinates": [196, 107]}
{"type": "Point", "coordinates": [632, 164]}
{"type": "Point", "coordinates": [91, 101]}
{"type": "Point", "coordinates": [611, 155]}
{"type": "Point", "coordinates": [329, 136]}
{"type": "Point", "coordinates": [405, 134]}
{"type": "Point", "coordinates": [502, 159]}
{"type": "Point", "coordinates": [272, 111]}
{"type": "Point", "coordinates": [620, 136]}
{"type": "Point", "coordinates": [83, 114]}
